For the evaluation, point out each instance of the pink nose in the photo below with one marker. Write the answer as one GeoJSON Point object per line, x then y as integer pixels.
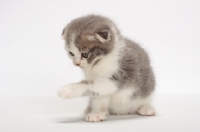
{"type": "Point", "coordinates": [77, 62]}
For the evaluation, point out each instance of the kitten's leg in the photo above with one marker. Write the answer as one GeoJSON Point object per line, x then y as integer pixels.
{"type": "Point", "coordinates": [103, 86]}
{"type": "Point", "coordinates": [99, 109]}
{"type": "Point", "coordinates": [75, 89]}
{"type": "Point", "coordinates": [71, 91]}
{"type": "Point", "coordinates": [99, 87]}
{"type": "Point", "coordinates": [87, 110]}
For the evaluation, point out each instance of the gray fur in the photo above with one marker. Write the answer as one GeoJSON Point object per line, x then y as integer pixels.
{"type": "Point", "coordinates": [135, 70]}
{"type": "Point", "coordinates": [96, 51]}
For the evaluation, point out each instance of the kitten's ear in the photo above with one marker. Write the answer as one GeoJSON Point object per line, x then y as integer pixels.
{"type": "Point", "coordinates": [63, 32]}
{"type": "Point", "coordinates": [103, 36]}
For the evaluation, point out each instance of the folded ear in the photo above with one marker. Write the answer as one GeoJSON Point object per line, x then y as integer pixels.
{"type": "Point", "coordinates": [103, 36]}
{"type": "Point", "coordinates": [63, 34]}
{"type": "Point", "coordinates": [63, 31]}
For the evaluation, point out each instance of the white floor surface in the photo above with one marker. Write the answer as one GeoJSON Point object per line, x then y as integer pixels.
{"type": "Point", "coordinates": [176, 113]}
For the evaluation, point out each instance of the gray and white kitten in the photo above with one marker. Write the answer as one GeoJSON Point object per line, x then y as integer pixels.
{"type": "Point", "coordinates": [118, 75]}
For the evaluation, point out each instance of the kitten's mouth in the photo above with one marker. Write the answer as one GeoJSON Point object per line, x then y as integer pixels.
{"type": "Point", "coordinates": [78, 65]}
{"type": "Point", "coordinates": [81, 66]}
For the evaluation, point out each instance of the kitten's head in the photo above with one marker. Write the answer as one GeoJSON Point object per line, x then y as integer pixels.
{"type": "Point", "coordinates": [88, 39]}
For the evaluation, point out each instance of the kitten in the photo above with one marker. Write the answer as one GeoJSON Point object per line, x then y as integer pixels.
{"type": "Point", "coordinates": [118, 75]}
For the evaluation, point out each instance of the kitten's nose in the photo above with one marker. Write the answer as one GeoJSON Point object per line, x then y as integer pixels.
{"type": "Point", "coordinates": [77, 62]}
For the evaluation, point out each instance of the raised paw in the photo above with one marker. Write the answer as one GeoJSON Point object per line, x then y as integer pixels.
{"type": "Point", "coordinates": [95, 117]}
{"type": "Point", "coordinates": [146, 111]}
{"type": "Point", "coordinates": [70, 91]}
{"type": "Point", "coordinates": [66, 93]}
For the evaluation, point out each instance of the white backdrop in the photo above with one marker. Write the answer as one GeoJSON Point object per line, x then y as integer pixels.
{"type": "Point", "coordinates": [33, 59]}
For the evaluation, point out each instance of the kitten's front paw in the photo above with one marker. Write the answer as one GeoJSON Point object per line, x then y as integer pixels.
{"type": "Point", "coordinates": [66, 93]}
{"type": "Point", "coordinates": [95, 117]}
{"type": "Point", "coordinates": [69, 91]}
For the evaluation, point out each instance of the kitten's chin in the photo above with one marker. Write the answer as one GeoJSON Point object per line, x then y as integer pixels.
{"type": "Point", "coordinates": [82, 67]}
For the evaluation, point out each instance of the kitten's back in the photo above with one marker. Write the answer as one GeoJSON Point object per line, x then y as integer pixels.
{"type": "Point", "coordinates": [135, 69]}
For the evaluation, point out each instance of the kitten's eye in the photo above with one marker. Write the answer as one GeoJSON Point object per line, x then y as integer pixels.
{"type": "Point", "coordinates": [71, 53]}
{"type": "Point", "coordinates": [85, 55]}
